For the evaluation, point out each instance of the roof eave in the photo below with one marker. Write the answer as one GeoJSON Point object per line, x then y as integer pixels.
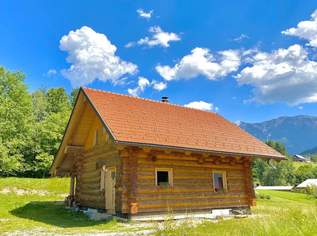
{"type": "Point", "coordinates": [281, 157]}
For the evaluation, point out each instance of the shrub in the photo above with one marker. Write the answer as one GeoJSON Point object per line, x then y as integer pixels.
{"type": "Point", "coordinates": [312, 190]}
{"type": "Point", "coordinates": [263, 196]}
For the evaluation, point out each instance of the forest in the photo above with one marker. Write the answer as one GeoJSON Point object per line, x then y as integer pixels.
{"type": "Point", "coordinates": [32, 126]}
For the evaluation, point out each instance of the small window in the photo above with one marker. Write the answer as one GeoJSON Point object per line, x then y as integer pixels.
{"type": "Point", "coordinates": [163, 177]}
{"type": "Point", "coordinates": [219, 181]}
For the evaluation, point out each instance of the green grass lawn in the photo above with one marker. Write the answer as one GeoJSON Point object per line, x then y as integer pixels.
{"type": "Point", "coordinates": [285, 213]}
{"type": "Point", "coordinates": [35, 205]}
{"type": "Point", "coordinates": [22, 208]}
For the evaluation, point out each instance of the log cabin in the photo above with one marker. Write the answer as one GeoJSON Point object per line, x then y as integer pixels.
{"type": "Point", "coordinates": [131, 157]}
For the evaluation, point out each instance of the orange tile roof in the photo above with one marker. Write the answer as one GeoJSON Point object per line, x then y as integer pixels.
{"type": "Point", "coordinates": [143, 121]}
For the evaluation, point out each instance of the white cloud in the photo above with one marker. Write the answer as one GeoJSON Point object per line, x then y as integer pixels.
{"type": "Point", "coordinates": [241, 37]}
{"type": "Point", "coordinates": [201, 105]}
{"type": "Point", "coordinates": [285, 75]}
{"type": "Point", "coordinates": [92, 57]}
{"type": "Point", "coordinates": [202, 62]}
{"type": "Point", "coordinates": [306, 30]}
{"type": "Point", "coordinates": [142, 84]}
{"type": "Point", "coordinates": [51, 72]}
{"type": "Point", "coordinates": [158, 38]}
{"type": "Point", "coordinates": [159, 86]}
{"type": "Point", "coordinates": [130, 44]}
{"type": "Point", "coordinates": [144, 14]}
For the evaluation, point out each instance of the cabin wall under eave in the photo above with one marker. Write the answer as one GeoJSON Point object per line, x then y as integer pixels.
{"type": "Point", "coordinates": [88, 190]}
{"type": "Point", "coordinates": [96, 155]}
{"type": "Point", "coordinates": [192, 188]}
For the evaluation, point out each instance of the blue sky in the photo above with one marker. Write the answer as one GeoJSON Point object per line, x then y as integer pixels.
{"type": "Point", "coordinates": [228, 56]}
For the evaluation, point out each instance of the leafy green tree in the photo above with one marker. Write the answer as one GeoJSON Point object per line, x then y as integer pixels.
{"type": "Point", "coordinates": [73, 96]}
{"type": "Point", "coordinates": [280, 147]}
{"type": "Point", "coordinates": [57, 100]}
{"type": "Point", "coordinates": [281, 173]}
{"type": "Point", "coordinates": [15, 106]}
{"type": "Point", "coordinates": [39, 102]}
{"type": "Point", "coordinates": [259, 168]}
{"type": "Point", "coordinates": [31, 125]}
{"type": "Point", "coordinates": [277, 173]}
{"type": "Point", "coordinates": [305, 172]}
{"type": "Point", "coordinates": [55, 105]}
{"type": "Point", "coordinates": [9, 164]}
{"type": "Point", "coordinates": [16, 120]}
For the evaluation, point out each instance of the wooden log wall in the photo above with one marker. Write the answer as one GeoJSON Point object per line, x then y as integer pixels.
{"type": "Point", "coordinates": [192, 188]}
{"type": "Point", "coordinates": [88, 192]}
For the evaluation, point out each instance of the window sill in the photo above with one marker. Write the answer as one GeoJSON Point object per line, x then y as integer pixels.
{"type": "Point", "coordinates": [164, 187]}
{"type": "Point", "coordinates": [220, 192]}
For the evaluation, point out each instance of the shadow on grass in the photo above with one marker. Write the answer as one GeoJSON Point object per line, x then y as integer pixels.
{"type": "Point", "coordinates": [53, 213]}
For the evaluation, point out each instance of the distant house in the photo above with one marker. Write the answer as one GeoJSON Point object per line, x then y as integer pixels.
{"type": "Point", "coordinates": [300, 158]}
{"type": "Point", "coordinates": [132, 156]}
{"type": "Point", "coordinates": [307, 183]}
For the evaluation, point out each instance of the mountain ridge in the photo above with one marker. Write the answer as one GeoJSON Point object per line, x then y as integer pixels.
{"type": "Point", "coordinates": [298, 133]}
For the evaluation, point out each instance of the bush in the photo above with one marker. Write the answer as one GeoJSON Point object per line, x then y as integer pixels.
{"type": "Point", "coordinates": [262, 196]}
{"type": "Point", "coordinates": [312, 190]}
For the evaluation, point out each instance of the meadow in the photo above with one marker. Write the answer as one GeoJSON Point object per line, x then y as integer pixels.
{"type": "Point", "coordinates": [34, 206]}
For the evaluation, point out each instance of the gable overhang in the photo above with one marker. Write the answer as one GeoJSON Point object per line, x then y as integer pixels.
{"type": "Point", "coordinates": [62, 150]}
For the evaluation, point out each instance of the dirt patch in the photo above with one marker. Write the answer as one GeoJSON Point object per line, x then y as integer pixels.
{"type": "Point", "coordinates": [21, 192]}
{"type": "Point", "coordinates": [4, 220]}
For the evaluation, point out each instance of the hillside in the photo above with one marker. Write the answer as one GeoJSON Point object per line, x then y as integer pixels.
{"type": "Point", "coordinates": [311, 151]}
{"type": "Point", "coordinates": [298, 133]}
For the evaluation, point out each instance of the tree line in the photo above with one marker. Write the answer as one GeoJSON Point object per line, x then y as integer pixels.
{"type": "Point", "coordinates": [32, 126]}
{"type": "Point", "coordinates": [281, 173]}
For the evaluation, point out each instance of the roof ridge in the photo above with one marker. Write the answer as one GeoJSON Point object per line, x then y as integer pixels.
{"type": "Point", "coordinates": [151, 100]}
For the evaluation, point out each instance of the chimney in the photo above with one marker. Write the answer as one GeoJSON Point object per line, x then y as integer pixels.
{"type": "Point", "coordinates": [164, 99]}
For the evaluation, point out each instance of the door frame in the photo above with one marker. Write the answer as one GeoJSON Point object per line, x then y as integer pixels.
{"type": "Point", "coordinates": [110, 190]}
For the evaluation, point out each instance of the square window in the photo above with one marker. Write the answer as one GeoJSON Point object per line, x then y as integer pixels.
{"type": "Point", "coordinates": [219, 181]}
{"type": "Point", "coordinates": [163, 177]}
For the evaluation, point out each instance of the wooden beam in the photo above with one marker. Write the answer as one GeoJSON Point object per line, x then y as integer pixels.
{"type": "Point", "coordinates": [72, 186]}
{"type": "Point", "coordinates": [133, 179]}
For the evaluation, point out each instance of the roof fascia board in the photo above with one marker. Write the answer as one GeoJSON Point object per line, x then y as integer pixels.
{"type": "Point", "coordinates": [199, 150]}
{"type": "Point", "coordinates": [99, 116]}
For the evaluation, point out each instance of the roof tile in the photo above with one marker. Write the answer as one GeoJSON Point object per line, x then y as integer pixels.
{"type": "Point", "coordinates": [150, 122]}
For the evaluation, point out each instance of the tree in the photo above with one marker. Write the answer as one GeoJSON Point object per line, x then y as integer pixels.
{"type": "Point", "coordinates": [281, 173]}
{"type": "Point", "coordinates": [278, 173]}
{"type": "Point", "coordinates": [73, 96]}
{"type": "Point", "coordinates": [57, 100]}
{"type": "Point", "coordinates": [15, 105]}
{"type": "Point", "coordinates": [54, 106]}
{"type": "Point", "coordinates": [31, 125]}
{"type": "Point", "coordinates": [16, 120]}
{"type": "Point", "coordinates": [259, 169]}
{"type": "Point", "coordinates": [305, 172]}
{"type": "Point", "coordinates": [39, 102]}
{"type": "Point", "coordinates": [280, 147]}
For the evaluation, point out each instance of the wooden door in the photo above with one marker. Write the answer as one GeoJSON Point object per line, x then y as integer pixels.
{"type": "Point", "coordinates": [110, 192]}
